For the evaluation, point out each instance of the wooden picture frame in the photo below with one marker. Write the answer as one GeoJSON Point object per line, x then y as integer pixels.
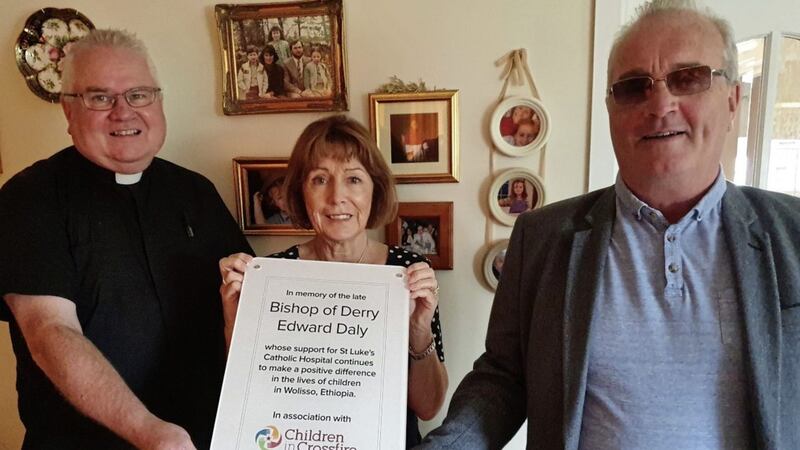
{"type": "Point", "coordinates": [505, 130]}
{"type": "Point", "coordinates": [257, 178]}
{"type": "Point", "coordinates": [433, 218]}
{"type": "Point", "coordinates": [314, 81]}
{"type": "Point", "coordinates": [417, 134]}
{"type": "Point", "coordinates": [505, 205]}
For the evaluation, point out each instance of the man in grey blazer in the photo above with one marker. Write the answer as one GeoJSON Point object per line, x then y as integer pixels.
{"type": "Point", "coordinates": [662, 312]}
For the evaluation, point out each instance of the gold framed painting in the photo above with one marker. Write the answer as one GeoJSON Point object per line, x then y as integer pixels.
{"type": "Point", "coordinates": [417, 134]}
{"type": "Point", "coordinates": [282, 57]}
{"type": "Point", "coordinates": [260, 199]}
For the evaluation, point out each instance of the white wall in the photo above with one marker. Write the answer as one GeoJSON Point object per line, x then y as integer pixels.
{"type": "Point", "coordinates": [447, 43]}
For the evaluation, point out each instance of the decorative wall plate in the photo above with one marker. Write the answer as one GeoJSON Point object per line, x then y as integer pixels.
{"type": "Point", "coordinates": [42, 45]}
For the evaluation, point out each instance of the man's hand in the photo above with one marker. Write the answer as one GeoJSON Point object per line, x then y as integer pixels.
{"type": "Point", "coordinates": [87, 380]}
{"type": "Point", "coordinates": [166, 436]}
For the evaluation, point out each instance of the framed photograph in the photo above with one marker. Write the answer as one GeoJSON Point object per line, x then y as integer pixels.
{"type": "Point", "coordinates": [493, 263]}
{"type": "Point", "coordinates": [282, 57]}
{"type": "Point", "coordinates": [417, 134]}
{"type": "Point", "coordinates": [519, 126]}
{"type": "Point", "coordinates": [513, 192]}
{"type": "Point", "coordinates": [260, 200]}
{"type": "Point", "coordinates": [425, 228]}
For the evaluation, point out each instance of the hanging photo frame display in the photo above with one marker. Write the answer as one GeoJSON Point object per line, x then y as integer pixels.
{"type": "Point", "coordinates": [513, 192]}
{"type": "Point", "coordinates": [493, 263]}
{"type": "Point", "coordinates": [520, 125]}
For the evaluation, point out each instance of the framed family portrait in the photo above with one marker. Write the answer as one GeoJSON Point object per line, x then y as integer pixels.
{"type": "Point", "coordinates": [417, 134]}
{"type": "Point", "coordinates": [425, 228]}
{"type": "Point", "coordinates": [519, 126]}
{"type": "Point", "coordinates": [513, 192]}
{"type": "Point", "coordinates": [260, 198]}
{"type": "Point", "coordinates": [493, 263]}
{"type": "Point", "coordinates": [282, 57]}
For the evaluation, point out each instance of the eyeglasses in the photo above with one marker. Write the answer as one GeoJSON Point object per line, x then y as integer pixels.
{"type": "Point", "coordinates": [686, 81]}
{"type": "Point", "coordinates": [103, 101]}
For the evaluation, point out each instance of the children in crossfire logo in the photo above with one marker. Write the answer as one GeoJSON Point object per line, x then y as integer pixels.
{"type": "Point", "coordinates": [268, 438]}
{"type": "Point", "coordinates": [299, 439]}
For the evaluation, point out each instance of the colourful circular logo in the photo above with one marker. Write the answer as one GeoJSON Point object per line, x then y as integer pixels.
{"type": "Point", "coordinates": [269, 437]}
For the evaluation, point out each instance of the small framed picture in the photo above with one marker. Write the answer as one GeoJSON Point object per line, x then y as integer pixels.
{"type": "Point", "coordinates": [282, 57]}
{"type": "Point", "coordinates": [417, 134]}
{"type": "Point", "coordinates": [425, 228]}
{"type": "Point", "coordinates": [513, 192]}
{"type": "Point", "coordinates": [493, 263]}
{"type": "Point", "coordinates": [520, 125]}
{"type": "Point", "coordinates": [260, 200]}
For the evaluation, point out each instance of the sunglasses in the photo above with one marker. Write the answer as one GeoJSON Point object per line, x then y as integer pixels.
{"type": "Point", "coordinates": [686, 81]}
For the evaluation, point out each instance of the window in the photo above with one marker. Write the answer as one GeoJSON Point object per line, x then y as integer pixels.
{"type": "Point", "coordinates": [739, 159]}
{"type": "Point", "coordinates": [766, 151]}
{"type": "Point", "coordinates": [783, 173]}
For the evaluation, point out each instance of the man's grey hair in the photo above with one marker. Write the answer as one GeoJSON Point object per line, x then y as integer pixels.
{"type": "Point", "coordinates": [657, 7]}
{"type": "Point", "coordinates": [102, 38]}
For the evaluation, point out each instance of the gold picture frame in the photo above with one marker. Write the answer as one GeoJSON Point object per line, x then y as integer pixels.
{"type": "Point", "coordinates": [256, 209]}
{"type": "Point", "coordinates": [417, 134]}
{"type": "Point", "coordinates": [313, 80]}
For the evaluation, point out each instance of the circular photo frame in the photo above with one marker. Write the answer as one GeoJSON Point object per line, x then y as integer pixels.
{"type": "Point", "coordinates": [513, 192]}
{"type": "Point", "coordinates": [493, 263]}
{"type": "Point", "coordinates": [519, 126]}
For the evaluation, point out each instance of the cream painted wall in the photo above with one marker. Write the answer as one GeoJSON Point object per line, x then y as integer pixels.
{"type": "Point", "coordinates": [447, 43]}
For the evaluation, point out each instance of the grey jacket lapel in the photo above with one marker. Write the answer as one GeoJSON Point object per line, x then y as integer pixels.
{"type": "Point", "coordinates": [753, 267]}
{"type": "Point", "coordinates": [586, 265]}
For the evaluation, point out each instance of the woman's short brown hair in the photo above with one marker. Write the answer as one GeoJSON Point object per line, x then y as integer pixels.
{"type": "Point", "coordinates": [342, 139]}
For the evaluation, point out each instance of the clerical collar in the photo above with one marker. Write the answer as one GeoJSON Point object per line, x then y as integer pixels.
{"type": "Point", "coordinates": [127, 179]}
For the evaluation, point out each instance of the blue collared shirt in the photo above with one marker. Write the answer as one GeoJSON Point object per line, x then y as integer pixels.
{"type": "Point", "coordinates": [665, 352]}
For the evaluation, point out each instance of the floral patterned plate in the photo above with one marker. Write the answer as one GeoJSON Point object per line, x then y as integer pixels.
{"type": "Point", "coordinates": [55, 31]}
{"type": "Point", "coordinates": [77, 29]}
{"type": "Point", "coordinates": [50, 80]}
{"type": "Point", "coordinates": [37, 56]}
{"type": "Point", "coordinates": [42, 45]}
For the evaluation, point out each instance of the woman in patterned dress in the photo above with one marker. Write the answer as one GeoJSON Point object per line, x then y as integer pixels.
{"type": "Point", "coordinates": [338, 184]}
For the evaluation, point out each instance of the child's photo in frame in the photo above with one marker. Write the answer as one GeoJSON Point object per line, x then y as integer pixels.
{"type": "Point", "coordinates": [514, 192]}
{"type": "Point", "coordinates": [516, 196]}
{"type": "Point", "coordinates": [260, 197]}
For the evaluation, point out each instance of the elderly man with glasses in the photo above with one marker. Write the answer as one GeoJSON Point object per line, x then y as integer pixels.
{"type": "Point", "coordinates": [108, 270]}
{"type": "Point", "coordinates": [662, 312]}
